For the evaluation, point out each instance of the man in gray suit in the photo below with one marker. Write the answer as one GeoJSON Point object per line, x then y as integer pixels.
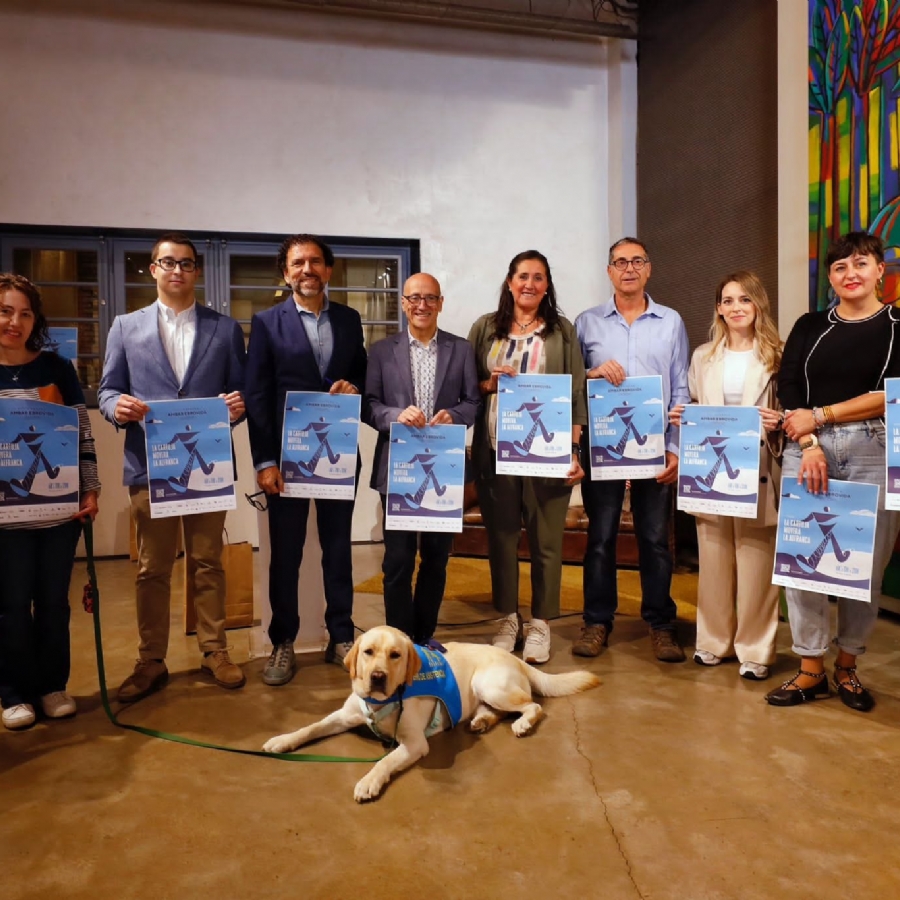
{"type": "Point", "coordinates": [172, 349]}
{"type": "Point", "coordinates": [422, 376]}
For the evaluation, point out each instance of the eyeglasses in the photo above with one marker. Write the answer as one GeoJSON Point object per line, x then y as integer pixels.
{"type": "Point", "coordinates": [261, 505]}
{"type": "Point", "coordinates": [431, 300]}
{"type": "Point", "coordinates": [170, 265]}
{"type": "Point", "coordinates": [637, 263]}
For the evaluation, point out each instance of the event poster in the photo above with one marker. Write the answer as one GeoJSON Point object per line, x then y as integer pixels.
{"type": "Point", "coordinates": [892, 456]}
{"type": "Point", "coordinates": [318, 445]}
{"type": "Point", "coordinates": [64, 341]}
{"type": "Point", "coordinates": [39, 473]}
{"type": "Point", "coordinates": [426, 478]}
{"type": "Point", "coordinates": [627, 425]}
{"type": "Point", "coordinates": [534, 425]}
{"type": "Point", "coordinates": [826, 541]}
{"type": "Point", "coordinates": [189, 462]}
{"type": "Point", "coordinates": [718, 460]}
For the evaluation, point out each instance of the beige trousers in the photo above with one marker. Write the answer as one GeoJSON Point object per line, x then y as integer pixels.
{"type": "Point", "coordinates": [737, 604]}
{"type": "Point", "coordinates": [157, 541]}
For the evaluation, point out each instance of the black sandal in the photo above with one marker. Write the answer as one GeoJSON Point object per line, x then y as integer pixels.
{"type": "Point", "coordinates": [786, 695]}
{"type": "Point", "coordinates": [851, 692]}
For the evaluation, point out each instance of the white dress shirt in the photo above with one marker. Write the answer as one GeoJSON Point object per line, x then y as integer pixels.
{"type": "Point", "coordinates": [177, 332]}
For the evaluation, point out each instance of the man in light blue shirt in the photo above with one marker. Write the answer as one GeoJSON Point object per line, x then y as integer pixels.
{"type": "Point", "coordinates": [629, 334]}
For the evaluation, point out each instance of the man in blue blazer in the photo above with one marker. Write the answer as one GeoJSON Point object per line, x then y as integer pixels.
{"type": "Point", "coordinates": [307, 343]}
{"type": "Point", "coordinates": [174, 348]}
{"type": "Point", "coordinates": [422, 376]}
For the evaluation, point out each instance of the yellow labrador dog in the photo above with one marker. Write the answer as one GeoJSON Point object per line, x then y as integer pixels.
{"type": "Point", "coordinates": [406, 693]}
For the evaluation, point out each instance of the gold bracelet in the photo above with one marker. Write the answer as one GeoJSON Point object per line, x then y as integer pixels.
{"type": "Point", "coordinates": [829, 415]}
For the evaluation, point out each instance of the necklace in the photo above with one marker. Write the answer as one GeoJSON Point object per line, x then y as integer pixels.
{"type": "Point", "coordinates": [18, 371]}
{"type": "Point", "coordinates": [524, 325]}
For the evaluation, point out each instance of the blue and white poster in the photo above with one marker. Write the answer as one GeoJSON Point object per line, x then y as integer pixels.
{"type": "Point", "coordinates": [38, 461]}
{"type": "Point", "coordinates": [627, 428]}
{"type": "Point", "coordinates": [826, 541]}
{"type": "Point", "coordinates": [718, 460]}
{"type": "Point", "coordinates": [64, 341]}
{"type": "Point", "coordinates": [892, 456]}
{"type": "Point", "coordinates": [318, 445]}
{"type": "Point", "coordinates": [534, 425]}
{"type": "Point", "coordinates": [189, 463]}
{"type": "Point", "coordinates": [426, 478]}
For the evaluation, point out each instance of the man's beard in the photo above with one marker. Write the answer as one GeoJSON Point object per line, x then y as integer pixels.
{"type": "Point", "coordinates": [310, 287]}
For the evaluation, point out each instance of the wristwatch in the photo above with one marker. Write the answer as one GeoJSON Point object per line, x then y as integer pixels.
{"type": "Point", "coordinates": [576, 450]}
{"type": "Point", "coordinates": [808, 442]}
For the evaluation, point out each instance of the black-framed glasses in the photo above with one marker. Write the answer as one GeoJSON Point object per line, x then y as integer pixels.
{"type": "Point", "coordinates": [261, 505]}
{"type": "Point", "coordinates": [431, 300]}
{"type": "Point", "coordinates": [170, 265]}
{"type": "Point", "coordinates": [636, 262]}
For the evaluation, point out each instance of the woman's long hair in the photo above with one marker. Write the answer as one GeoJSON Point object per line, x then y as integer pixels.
{"type": "Point", "coordinates": [765, 334]}
{"type": "Point", "coordinates": [548, 311]}
{"type": "Point", "coordinates": [39, 334]}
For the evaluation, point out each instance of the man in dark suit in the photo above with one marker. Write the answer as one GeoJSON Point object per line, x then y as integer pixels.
{"type": "Point", "coordinates": [307, 343]}
{"type": "Point", "coordinates": [422, 376]}
{"type": "Point", "coordinates": [172, 349]}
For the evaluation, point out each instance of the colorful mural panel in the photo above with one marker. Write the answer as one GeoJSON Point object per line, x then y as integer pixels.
{"type": "Point", "coordinates": [854, 132]}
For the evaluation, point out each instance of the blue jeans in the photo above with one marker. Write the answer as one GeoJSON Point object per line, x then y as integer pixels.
{"type": "Point", "coordinates": [651, 507]}
{"type": "Point", "coordinates": [855, 452]}
{"type": "Point", "coordinates": [34, 611]}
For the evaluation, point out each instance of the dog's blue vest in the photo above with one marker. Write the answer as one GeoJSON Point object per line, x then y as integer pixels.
{"type": "Point", "coordinates": [434, 679]}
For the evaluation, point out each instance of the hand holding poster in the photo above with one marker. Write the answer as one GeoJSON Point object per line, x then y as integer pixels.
{"type": "Point", "coordinates": [318, 445]}
{"type": "Point", "coordinates": [826, 541]}
{"type": "Point", "coordinates": [39, 474]}
{"type": "Point", "coordinates": [426, 477]}
{"type": "Point", "coordinates": [718, 460]}
{"type": "Point", "coordinates": [189, 463]}
{"type": "Point", "coordinates": [534, 425]}
{"type": "Point", "coordinates": [627, 428]}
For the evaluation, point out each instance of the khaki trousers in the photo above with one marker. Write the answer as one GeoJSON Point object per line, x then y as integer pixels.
{"type": "Point", "coordinates": [157, 541]}
{"type": "Point", "coordinates": [737, 604]}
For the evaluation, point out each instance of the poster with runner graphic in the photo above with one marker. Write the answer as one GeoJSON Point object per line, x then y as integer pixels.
{"type": "Point", "coordinates": [64, 341]}
{"type": "Point", "coordinates": [892, 456]}
{"type": "Point", "coordinates": [426, 478]}
{"type": "Point", "coordinates": [189, 462]}
{"type": "Point", "coordinates": [627, 428]}
{"type": "Point", "coordinates": [318, 445]}
{"type": "Point", "coordinates": [825, 542]}
{"type": "Point", "coordinates": [718, 460]}
{"type": "Point", "coordinates": [534, 425]}
{"type": "Point", "coordinates": [38, 461]}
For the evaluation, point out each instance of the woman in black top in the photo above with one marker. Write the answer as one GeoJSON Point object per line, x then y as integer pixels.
{"type": "Point", "coordinates": [832, 385]}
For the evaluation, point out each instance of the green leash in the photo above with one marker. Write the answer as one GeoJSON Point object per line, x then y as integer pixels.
{"type": "Point", "coordinates": [164, 735]}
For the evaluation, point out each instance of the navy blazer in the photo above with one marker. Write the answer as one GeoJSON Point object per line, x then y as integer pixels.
{"type": "Point", "coordinates": [136, 364]}
{"type": "Point", "coordinates": [389, 389]}
{"type": "Point", "coordinates": [280, 359]}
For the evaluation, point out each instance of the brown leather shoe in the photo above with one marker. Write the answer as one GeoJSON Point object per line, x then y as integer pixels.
{"type": "Point", "coordinates": [149, 675]}
{"type": "Point", "coordinates": [219, 665]}
{"type": "Point", "coordinates": [665, 645]}
{"type": "Point", "coordinates": [592, 640]}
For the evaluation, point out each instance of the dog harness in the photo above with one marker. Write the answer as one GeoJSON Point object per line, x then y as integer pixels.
{"type": "Point", "coordinates": [434, 679]}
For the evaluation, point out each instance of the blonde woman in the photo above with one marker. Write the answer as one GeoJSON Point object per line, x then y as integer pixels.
{"type": "Point", "coordinates": [737, 605]}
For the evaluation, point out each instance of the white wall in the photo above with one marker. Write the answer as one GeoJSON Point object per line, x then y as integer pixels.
{"type": "Point", "coordinates": [192, 116]}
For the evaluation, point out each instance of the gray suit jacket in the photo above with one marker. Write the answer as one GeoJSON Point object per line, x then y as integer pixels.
{"type": "Point", "coordinates": [389, 389]}
{"type": "Point", "coordinates": [136, 364]}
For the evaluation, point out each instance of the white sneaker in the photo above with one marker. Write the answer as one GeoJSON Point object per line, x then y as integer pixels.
{"type": "Point", "coordinates": [754, 671]}
{"type": "Point", "coordinates": [19, 716]}
{"type": "Point", "coordinates": [509, 636]}
{"type": "Point", "coordinates": [58, 705]}
{"type": "Point", "coordinates": [537, 642]}
{"type": "Point", "coordinates": [705, 658]}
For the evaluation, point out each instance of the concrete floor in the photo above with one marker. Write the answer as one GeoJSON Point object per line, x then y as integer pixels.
{"type": "Point", "coordinates": [667, 781]}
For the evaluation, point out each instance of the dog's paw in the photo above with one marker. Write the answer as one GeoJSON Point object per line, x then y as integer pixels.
{"type": "Point", "coordinates": [279, 744]}
{"type": "Point", "coordinates": [482, 723]}
{"type": "Point", "coordinates": [367, 788]}
{"type": "Point", "coordinates": [522, 726]}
